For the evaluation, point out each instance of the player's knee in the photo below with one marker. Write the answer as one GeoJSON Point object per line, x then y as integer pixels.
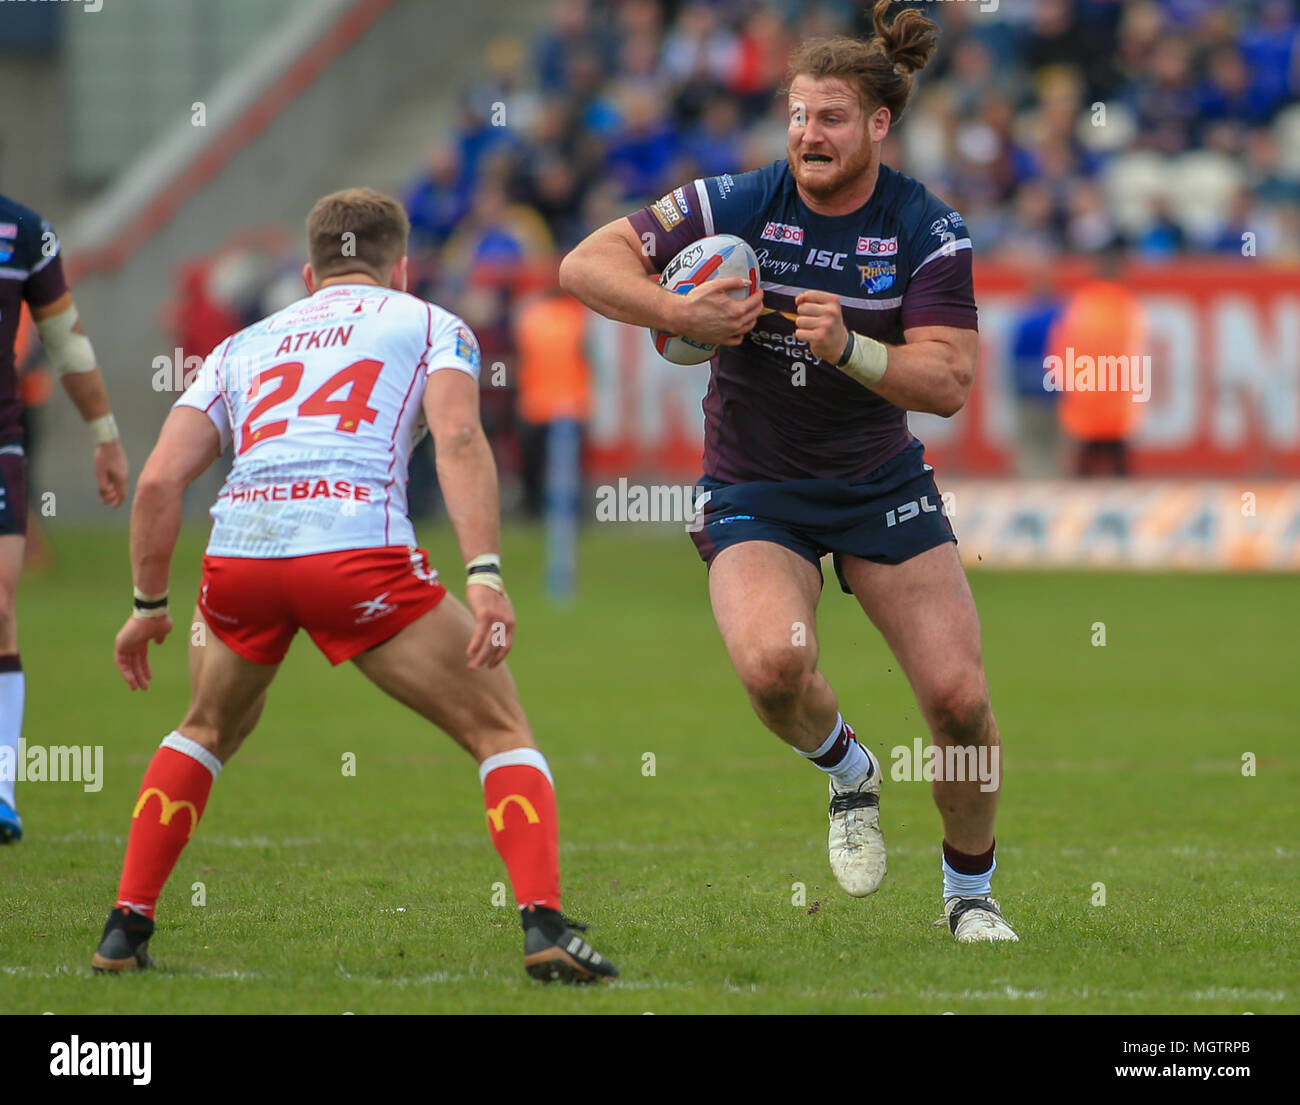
{"type": "Point", "coordinates": [776, 677]}
{"type": "Point", "coordinates": [960, 712]}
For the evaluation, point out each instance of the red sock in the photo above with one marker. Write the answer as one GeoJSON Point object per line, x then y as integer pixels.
{"type": "Point", "coordinates": [172, 798]}
{"type": "Point", "coordinates": [523, 824]}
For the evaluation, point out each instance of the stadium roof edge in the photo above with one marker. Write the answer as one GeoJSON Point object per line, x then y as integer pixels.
{"type": "Point", "coordinates": [239, 108]}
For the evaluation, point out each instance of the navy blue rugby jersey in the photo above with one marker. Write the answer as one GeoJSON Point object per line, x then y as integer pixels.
{"type": "Point", "coordinates": [30, 270]}
{"type": "Point", "coordinates": [900, 261]}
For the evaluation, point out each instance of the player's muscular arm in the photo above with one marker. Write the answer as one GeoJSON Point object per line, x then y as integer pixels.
{"type": "Point", "coordinates": [932, 372]}
{"type": "Point", "coordinates": [187, 444]}
{"type": "Point", "coordinates": [86, 389]}
{"type": "Point", "coordinates": [467, 471]}
{"type": "Point", "coordinates": [612, 274]}
{"type": "Point", "coordinates": [467, 474]}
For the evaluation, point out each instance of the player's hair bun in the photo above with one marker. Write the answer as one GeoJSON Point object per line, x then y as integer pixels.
{"type": "Point", "coordinates": [907, 41]}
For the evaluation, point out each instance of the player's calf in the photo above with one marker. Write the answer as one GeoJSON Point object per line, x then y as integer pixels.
{"type": "Point", "coordinates": [172, 798]}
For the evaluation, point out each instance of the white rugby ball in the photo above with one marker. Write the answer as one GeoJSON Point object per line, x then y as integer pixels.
{"type": "Point", "coordinates": [706, 259]}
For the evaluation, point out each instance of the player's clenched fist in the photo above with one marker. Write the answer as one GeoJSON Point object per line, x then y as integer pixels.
{"type": "Point", "coordinates": [820, 323]}
{"type": "Point", "coordinates": [708, 314]}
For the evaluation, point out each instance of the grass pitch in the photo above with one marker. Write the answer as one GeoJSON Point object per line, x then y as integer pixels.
{"type": "Point", "coordinates": [327, 893]}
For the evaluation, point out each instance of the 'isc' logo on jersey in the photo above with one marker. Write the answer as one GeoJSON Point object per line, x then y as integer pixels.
{"type": "Point", "coordinates": [877, 276]}
{"type": "Point", "coordinates": [825, 259]}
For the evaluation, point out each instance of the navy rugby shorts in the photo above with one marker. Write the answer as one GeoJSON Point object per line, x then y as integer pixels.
{"type": "Point", "coordinates": [888, 517]}
{"type": "Point", "coordinates": [13, 490]}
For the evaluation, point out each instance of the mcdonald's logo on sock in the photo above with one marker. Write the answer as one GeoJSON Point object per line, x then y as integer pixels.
{"type": "Point", "coordinates": [497, 814]}
{"type": "Point", "coordinates": [167, 809]}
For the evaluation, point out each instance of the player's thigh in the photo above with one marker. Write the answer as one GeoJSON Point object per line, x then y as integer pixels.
{"type": "Point", "coordinates": [424, 667]}
{"type": "Point", "coordinates": [226, 692]}
{"type": "Point", "coordinates": [764, 599]}
{"type": "Point", "coordinates": [200, 634]}
{"type": "Point", "coordinates": [926, 613]}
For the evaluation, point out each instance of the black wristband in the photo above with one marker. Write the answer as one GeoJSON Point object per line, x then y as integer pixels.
{"type": "Point", "coordinates": [156, 604]}
{"type": "Point", "coordinates": [848, 352]}
{"type": "Point", "coordinates": [482, 569]}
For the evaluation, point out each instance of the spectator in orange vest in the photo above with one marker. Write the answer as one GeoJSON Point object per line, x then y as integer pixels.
{"type": "Point", "coordinates": [553, 379]}
{"type": "Point", "coordinates": [1097, 360]}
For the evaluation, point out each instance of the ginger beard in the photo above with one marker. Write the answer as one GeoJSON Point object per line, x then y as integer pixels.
{"type": "Point", "coordinates": [828, 143]}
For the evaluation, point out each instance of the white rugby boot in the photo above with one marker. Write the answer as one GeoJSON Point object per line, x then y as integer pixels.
{"type": "Point", "coordinates": [855, 843]}
{"type": "Point", "coordinates": [976, 920]}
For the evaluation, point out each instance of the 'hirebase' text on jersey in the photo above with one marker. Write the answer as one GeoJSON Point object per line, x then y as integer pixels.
{"type": "Point", "coordinates": [322, 403]}
{"type": "Point", "coordinates": [775, 411]}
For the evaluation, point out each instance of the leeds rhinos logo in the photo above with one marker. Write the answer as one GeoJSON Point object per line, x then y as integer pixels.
{"type": "Point", "coordinates": [877, 276]}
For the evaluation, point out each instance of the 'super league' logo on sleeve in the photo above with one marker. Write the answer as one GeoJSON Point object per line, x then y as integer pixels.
{"type": "Point", "coordinates": [666, 211]}
{"type": "Point", "coordinates": [467, 346]}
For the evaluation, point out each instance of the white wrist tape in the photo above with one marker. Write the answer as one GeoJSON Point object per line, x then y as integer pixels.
{"type": "Point", "coordinates": [149, 606]}
{"type": "Point", "coordinates": [867, 362]}
{"type": "Point", "coordinates": [103, 430]}
{"type": "Point", "coordinates": [485, 570]}
{"type": "Point", "coordinates": [66, 343]}
{"type": "Point", "coordinates": [487, 579]}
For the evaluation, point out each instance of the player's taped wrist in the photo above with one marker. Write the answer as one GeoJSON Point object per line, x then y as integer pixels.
{"type": "Point", "coordinates": [864, 359]}
{"type": "Point", "coordinates": [103, 429]}
{"type": "Point", "coordinates": [149, 606]}
{"type": "Point", "coordinates": [485, 571]}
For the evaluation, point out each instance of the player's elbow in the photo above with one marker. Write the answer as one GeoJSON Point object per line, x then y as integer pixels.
{"type": "Point", "coordinates": [456, 440]}
{"type": "Point", "coordinates": [158, 482]}
{"type": "Point", "coordinates": [960, 377]}
{"type": "Point", "coordinates": [579, 268]}
{"type": "Point", "coordinates": [570, 274]}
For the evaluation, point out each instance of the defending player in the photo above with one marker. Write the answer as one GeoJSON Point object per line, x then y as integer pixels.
{"type": "Point", "coordinates": [866, 311]}
{"type": "Point", "coordinates": [31, 272]}
{"type": "Point", "coordinates": [321, 404]}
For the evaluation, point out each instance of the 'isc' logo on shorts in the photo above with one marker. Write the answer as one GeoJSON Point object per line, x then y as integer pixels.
{"type": "Point", "coordinates": [908, 511]}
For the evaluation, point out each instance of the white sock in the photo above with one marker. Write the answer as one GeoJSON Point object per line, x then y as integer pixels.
{"type": "Point", "coordinates": [856, 764]}
{"type": "Point", "coordinates": [12, 692]}
{"type": "Point", "coordinates": [957, 885]}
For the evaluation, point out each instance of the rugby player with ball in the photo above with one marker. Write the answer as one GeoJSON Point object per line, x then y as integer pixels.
{"type": "Point", "coordinates": [865, 311]}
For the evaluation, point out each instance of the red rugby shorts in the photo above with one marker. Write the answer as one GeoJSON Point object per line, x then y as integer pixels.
{"type": "Point", "coordinates": [347, 601]}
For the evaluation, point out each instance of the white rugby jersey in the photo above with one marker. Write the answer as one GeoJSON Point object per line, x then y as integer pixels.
{"type": "Point", "coordinates": [322, 403]}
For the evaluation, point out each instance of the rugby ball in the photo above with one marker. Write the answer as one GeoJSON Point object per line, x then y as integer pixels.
{"type": "Point", "coordinates": [717, 255]}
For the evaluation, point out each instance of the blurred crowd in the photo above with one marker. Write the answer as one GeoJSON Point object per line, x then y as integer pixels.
{"type": "Point", "coordinates": [1170, 124]}
{"type": "Point", "coordinates": [1162, 127]}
